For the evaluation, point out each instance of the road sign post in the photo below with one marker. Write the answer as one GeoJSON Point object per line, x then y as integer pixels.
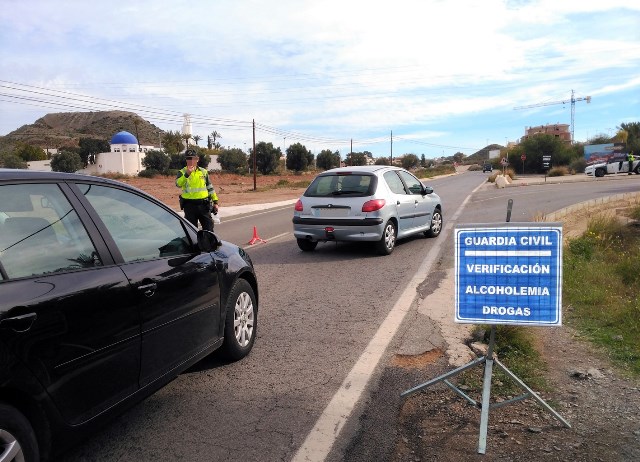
{"type": "Point", "coordinates": [546, 164]}
{"type": "Point", "coordinates": [523, 157]}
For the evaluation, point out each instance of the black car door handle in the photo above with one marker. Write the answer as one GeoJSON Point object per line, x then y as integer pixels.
{"type": "Point", "coordinates": [20, 323]}
{"type": "Point", "coordinates": [148, 289]}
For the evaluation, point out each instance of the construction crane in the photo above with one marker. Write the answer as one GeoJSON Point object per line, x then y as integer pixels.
{"type": "Point", "coordinates": [573, 107]}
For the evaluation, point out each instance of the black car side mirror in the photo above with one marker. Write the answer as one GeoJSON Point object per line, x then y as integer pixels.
{"type": "Point", "coordinates": [208, 241]}
{"type": "Point", "coordinates": [427, 190]}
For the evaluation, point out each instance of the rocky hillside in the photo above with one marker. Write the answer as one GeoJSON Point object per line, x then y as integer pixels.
{"type": "Point", "coordinates": [64, 129]}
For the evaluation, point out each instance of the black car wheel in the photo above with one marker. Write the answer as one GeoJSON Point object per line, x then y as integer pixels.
{"type": "Point", "coordinates": [599, 172]}
{"type": "Point", "coordinates": [307, 245]}
{"type": "Point", "coordinates": [388, 240]}
{"type": "Point", "coordinates": [242, 321]}
{"type": "Point", "coordinates": [17, 439]}
{"type": "Point", "coordinates": [436, 224]}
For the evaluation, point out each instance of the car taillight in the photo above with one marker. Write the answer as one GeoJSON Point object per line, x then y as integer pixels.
{"type": "Point", "coordinates": [299, 207]}
{"type": "Point", "coordinates": [372, 206]}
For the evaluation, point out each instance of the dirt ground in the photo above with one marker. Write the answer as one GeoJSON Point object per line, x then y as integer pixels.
{"type": "Point", "coordinates": [602, 406]}
{"type": "Point", "coordinates": [231, 189]}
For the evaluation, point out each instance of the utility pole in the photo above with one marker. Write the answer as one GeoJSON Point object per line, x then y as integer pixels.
{"type": "Point", "coordinates": [391, 147]}
{"type": "Point", "coordinates": [254, 155]}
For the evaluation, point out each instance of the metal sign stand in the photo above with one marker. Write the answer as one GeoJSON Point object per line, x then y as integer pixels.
{"type": "Point", "coordinates": [486, 404]}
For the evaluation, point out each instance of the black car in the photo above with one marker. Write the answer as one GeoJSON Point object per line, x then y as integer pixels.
{"type": "Point", "coordinates": [106, 295]}
{"type": "Point", "coordinates": [487, 168]}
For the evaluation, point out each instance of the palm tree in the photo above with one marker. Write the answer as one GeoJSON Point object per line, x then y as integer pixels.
{"type": "Point", "coordinates": [214, 135]}
{"type": "Point", "coordinates": [186, 137]}
{"type": "Point", "coordinates": [197, 138]}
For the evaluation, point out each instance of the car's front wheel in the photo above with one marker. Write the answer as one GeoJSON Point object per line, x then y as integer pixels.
{"type": "Point", "coordinates": [306, 245]}
{"type": "Point", "coordinates": [387, 242]}
{"type": "Point", "coordinates": [599, 172]}
{"type": "Point", "coordinates": [436, 224]}
{"type": "Point", "coordinates": [17, 438]}
{"type": "Point", "coordinates": [241, 324]}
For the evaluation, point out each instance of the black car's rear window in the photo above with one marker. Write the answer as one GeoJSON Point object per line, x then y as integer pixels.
{"type": "Point", "coordinates": [352, 185]}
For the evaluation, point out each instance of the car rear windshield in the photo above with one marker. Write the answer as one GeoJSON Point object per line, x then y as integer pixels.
{"type": "Point", "coordinates": [352, 185]}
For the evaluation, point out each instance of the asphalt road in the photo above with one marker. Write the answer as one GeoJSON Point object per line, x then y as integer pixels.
{"type": "Point", "coordinates": [318, 314]}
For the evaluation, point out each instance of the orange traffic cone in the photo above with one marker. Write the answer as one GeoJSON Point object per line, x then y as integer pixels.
{"type": "Point", "coordinates": [255, 237]}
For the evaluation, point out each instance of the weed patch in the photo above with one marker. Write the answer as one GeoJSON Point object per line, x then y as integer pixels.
{"type": "Point", "coordinates": [601, 277]}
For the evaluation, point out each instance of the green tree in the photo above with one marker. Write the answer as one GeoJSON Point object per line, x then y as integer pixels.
{"type": "Point", "coordinates": [172, 142]}
{"type": "Point", "coordinates": [28, 153]}
{"type": "Point", "coordinates": [458, 157]}
{"type": "Point", "coordinates": [633, 136]}
{"type": "Point", "coordinates": [267, 158]}
{"type": "Point", "coordinates": [10, 160]}
{"type": "Point", "coordinates": [327, 159]}
{"type": "Point", "coordinates": [538, 146]}
{"type": "Point", "coordinates": [186, 137]}
{"type": "Point", "coordinates": [90, 148]}
{"type": "Point", "coordinates": [197, 139]}
{"type": "Point", "coordinates": [356, 158]}
{"type": "Point", "coordinates": [233, 160]}
{"type": "Point", "coordinates": [310, 160]}
{"type": "Point", "coordinates": [298, 157]}
{"type": "Point", "coordinates": [409, 161]}
{"type": "Point", "coordinates": [599, 139]}
{"type": "Point", "coordinates": [66, 161]}
{"type": "Point", "coordinates": [156, 160]}
{"type": "Point", "coordinates": [382, 161]}
{"type": "Point", "coordinates": [423, 161]}
{"type": "Point", "coordinates": [212, 143]}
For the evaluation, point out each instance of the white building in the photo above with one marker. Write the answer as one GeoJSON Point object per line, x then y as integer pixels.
{"type": "Point", "coordinates": [125, 156]}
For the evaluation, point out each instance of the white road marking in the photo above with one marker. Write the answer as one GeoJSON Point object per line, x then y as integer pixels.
{"type": "Point", "coordinates": [323, 435]}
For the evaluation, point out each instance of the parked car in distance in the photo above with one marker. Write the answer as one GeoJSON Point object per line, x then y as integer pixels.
{"type": "Point", "coordinates": [106, 295]}
{"type": "Point", "coordinates": [487, 167]}
{"type": "Point", "coordinates": [368, 203]}
{"type": "Point", "coordinates": [618, 163]}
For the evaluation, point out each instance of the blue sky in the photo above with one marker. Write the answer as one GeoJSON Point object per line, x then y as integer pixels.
{"type": "Point", "coordinates": [442, 76]}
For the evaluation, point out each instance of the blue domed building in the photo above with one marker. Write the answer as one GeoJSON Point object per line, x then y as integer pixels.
{"type": "Point", "coordinates": [125, 156]}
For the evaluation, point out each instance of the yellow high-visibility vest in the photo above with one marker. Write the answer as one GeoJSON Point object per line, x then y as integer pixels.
{"type": "Point", "coordinates": [196, 185]}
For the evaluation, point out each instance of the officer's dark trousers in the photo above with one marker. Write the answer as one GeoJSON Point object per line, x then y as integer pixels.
{"type": "Point", "coordinates": [198, 210]}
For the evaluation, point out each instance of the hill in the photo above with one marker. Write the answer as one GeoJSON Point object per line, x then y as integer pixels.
{"type": "Point", "coordinates": [482, 155]}
{"type": "Point", "coordinates": [64, 129]}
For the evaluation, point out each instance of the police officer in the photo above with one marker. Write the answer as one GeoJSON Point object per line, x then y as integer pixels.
{"type": "Point", "coordinates": [630, 158]}
{"type": "Point", "coordinates": [198, 198]}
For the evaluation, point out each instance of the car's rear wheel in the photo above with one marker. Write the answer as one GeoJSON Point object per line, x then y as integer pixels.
{"type": "Point", "coordinates": [436, 224]}
{"type": "Point", "coordinates": [17, 438]}
{"type": "Point", "coordinates": [241, 324]}
{"type": "Point", "coordinates": [307, 245]}
{"type": "Point", "coordinates": [388, 240]}
{"type": "Point", "coordinates": [599, 172]}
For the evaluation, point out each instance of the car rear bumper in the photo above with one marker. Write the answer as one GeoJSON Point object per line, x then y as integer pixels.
{"type": "Point", "coordinates": [321, 229]}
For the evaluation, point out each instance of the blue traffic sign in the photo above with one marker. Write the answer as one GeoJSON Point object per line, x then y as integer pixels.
{"type": "Point", "coordinates": [509, 273]}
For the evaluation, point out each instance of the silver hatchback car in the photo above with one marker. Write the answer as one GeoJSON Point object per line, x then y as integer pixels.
{"type": "Point", "coordinates": [374, 203]}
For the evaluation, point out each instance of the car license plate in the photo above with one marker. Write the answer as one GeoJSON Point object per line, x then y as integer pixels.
{"type": "Point", "coordinates": [332, 212]}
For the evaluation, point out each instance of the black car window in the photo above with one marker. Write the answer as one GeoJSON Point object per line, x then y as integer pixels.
{"type": "Point", "coordinates": [141, 229]}
{"type": "Point", "coordinates": [394, 182]}
{"type": "Point", "coordinates": [338, 185]}
{"type": "Point", "coordinates": [413, 184]}
{"type": "Point", "coordinates": [41, 233]}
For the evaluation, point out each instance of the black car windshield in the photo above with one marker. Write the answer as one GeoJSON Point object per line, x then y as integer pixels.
{"type": "Point", "coordinates": [337, 185]}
